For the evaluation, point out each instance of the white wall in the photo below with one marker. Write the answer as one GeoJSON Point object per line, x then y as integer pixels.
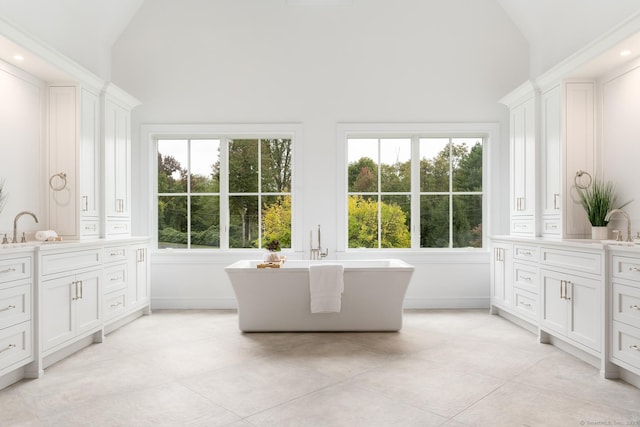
{"type": "Point", "coordinates": [21, 152]}
{"type": "Point", "coordinates": [244, 61]}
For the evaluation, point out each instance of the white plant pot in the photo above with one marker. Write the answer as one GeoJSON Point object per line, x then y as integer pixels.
{"type": "Point", "coordinates": [599, 233]}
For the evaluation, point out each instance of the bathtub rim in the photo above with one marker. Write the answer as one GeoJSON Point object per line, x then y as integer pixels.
{"type": "Point", "coordinates": [392, 264]}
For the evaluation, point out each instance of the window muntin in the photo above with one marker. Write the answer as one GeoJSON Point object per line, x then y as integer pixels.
{"type": "Point", "coordinates": [203, 183]}
{"type": "Point", "coordinates": [431, 192]}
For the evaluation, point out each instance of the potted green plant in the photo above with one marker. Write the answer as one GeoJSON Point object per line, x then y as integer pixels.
{"type": "Point", "coordinates": [273, 246]}
{"type": "Point", "coordinates": [597, 200]}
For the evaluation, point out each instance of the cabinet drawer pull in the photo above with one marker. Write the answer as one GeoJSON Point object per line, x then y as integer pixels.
{"type": "Point", "coordinates": [8, 270]}
{"type": "Point", "coordinates": [634, 347]}
{"type": "Point", "coordinates": [116, 304]}
{"type": "Point", "coordinates": [525, 304]}
{"type": "Point", "coordinates": [525, 278]}
{"type": "Point", "coordinates": [115, 279]}
{"type": "Point", "coordinates": [634, 269]}
{"type": "Point", "coordinates": [634, 307]}
{"type": "Point", "coordinates": [9, 307]}
{"type": "Point", "coordinates": [528, 253]}
{"type": "Point", "coordinates": [11, 346]}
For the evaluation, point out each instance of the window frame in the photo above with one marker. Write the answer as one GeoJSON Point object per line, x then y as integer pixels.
{"type": "Point", "coordinates": [490, 132]}
{"type": "Point", "coordinates": [153, 133]}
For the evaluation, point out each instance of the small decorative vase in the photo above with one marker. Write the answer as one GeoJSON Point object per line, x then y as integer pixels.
{"type": "Point", "coordinates": [272, 257]}
{"type": "Point", "coordinates": [599, 233]}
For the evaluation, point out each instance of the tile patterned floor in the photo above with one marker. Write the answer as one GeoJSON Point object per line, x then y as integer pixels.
{"type": "Point", "coordinates": [445, 368]}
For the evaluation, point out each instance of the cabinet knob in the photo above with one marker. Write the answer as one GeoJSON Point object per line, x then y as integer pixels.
{"type": "Point", "coordinates": [634, 347]}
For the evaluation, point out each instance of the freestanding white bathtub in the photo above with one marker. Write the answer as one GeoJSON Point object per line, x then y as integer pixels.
{"type": "Point", "coordinates": [278, 299]}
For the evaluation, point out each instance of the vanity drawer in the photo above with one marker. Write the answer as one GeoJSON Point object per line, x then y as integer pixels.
{"type": "Point", "coordinates": [120, 227]}
{"type": "Point", "coordinates": [65, 261]}
{"type": "Point", "coordinates": [115, 277]}
{"type": "Point", "coordinates": [525, 252]}
{"type": "Point", "coordinates": [625, 267]}
{"type": "Point", "coordinates": [525, 277]}
{"type": "Point", "coordinates": [525, 303]}
{"type": "Point", "coordinates": [626, 345]}
{"type": "Point", "coordinates": [626, 304]}
{"type": "Point", "coordinates": [15, 345]}
{"type": "Point", "coordinates": [114, 303]}
{"type": "Point", "coordinates": [15, 305]}
{"type": "Point", "coordinates": [522, 226]}
{"type": "Point", "coordinates": [116, 253]}
{"type": "Point", "coordinates": [551, 227]}
{"type": "Point", "coordinates": [14, 269]}
{"type": "Point", "coordinates": [90, 228]}
{"type": "Point", "coordinates": [585, 262]}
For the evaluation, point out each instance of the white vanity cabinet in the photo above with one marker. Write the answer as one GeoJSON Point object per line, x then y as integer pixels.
{"type": "Point", "coordinates": [74, 162]}
{"type": "Point", "coordinates": [572, 290]}
{"type": "Point", "coordinates": [117, 107]}
{"type": "Point", "coordinates": [625, 310]}
{"type": "Point", "coordinates": [126, 275]}
{"type": "Point", "coordinates": [16, 308]}
{"type": "Point", "coordinates": [514, 279]}
{"type": "Point", "coordinates": [522, 138]}
{"type": "Point", "coordinates": [70, 295]}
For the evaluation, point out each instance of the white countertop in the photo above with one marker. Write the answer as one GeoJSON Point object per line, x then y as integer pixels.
{"type": "Point", "coordinates": [34, 245]}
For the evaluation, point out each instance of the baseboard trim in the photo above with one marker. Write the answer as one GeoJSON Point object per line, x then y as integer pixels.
{"type": "Point", "coordinates": [230, 303]}
{"type": "Point", "coordinates": [193, 303]}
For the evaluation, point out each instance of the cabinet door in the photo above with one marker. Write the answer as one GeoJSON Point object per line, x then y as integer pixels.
{"type": "Point", "coordinates": [501, 275]}
{"type": "Point", "coordinates": [88, 303]}
{"type": "Point", "coordinates": [89, 153]}
{"type": "Point", "coordinates": [554, 305]}
{"type": "Point", "coordinates": [551, 131]}
{"type": "Point", "coordinates": [56, 311]}
{"type": "Point", "coordinates": [142, 276]}
{"type": "Point", "coordinates": [523, 158]}
{"type": "Point", "coordinates": [117, 160]}
{"type": "Point", "coordinates": [585, 315]}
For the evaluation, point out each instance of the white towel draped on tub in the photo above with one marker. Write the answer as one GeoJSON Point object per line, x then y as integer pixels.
{"type": "Point", "coordinates": [326, 285]}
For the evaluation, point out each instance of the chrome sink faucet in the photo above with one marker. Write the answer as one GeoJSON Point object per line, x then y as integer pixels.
{"type": "Point", "coordinates": [626, 215]}
{"type": "Point", "coordinates": [15, 225]}
{"type": "Point", "coordinates": [316, 253]}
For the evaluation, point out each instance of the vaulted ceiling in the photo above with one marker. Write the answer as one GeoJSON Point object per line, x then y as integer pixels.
{"type": "Point", "coordinates": [553, 28]}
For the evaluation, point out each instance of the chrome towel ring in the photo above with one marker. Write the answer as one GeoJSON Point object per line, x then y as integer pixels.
{"type": "Point", "coordinates": [577, 180]}
{"type": "Point", "coordinates": [63, 177]}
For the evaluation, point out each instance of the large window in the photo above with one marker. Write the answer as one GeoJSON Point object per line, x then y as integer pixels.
{"type": "Point", "coordinates": [414, 191]}
{"type": "Point", "coordinates": [224, 192]}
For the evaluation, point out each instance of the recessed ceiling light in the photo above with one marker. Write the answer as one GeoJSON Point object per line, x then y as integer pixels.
{"type": "Point", "coordinates": [625, 53]}
{"type": "Point", "coordinates": [18, 57]}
